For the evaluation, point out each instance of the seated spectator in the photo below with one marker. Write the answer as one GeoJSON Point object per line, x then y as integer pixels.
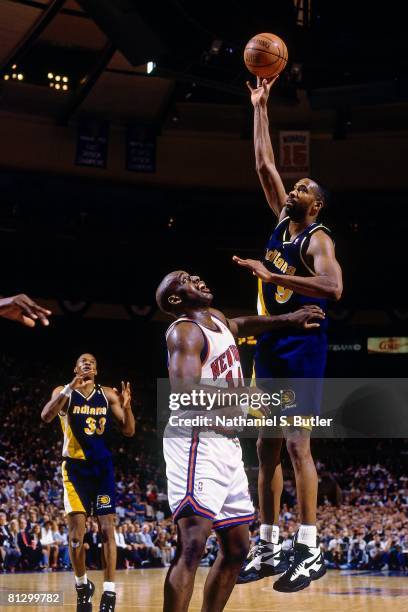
{"type": "Point", "coordinates": [148, 552]}
{"type": "Point", "coordinates": [165, 551]}
{"type": "Point", "coordinates": [50, 547]}
{"type": "Point", "coordinates": [131, 541]}
{"type": "Point", "coordinates": [60, 537]}
{"type": "Point", "coordinates": [356, 558]}
{"type": "Point", "coordinates": [123, 549]}
{"type": "Point", "coordinates": [93, 546]}
{"type": "Point", "coordinates": [12, 549]}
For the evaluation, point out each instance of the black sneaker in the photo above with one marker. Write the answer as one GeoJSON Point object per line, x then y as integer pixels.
{"type": "Point", "coordinates": [84, 596]}
{"type": "Point", "coordinates": [264, 559]}
{"type": "Point", "coordinates": [108, 601]}
{"type": "Point", "coordinates": [307, 565]}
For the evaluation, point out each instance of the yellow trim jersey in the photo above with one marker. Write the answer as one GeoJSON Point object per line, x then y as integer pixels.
{"type": "Point", "coordinates": [86, 426]}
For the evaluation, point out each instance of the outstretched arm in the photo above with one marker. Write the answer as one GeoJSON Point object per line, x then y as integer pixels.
{"type": "Point", "coordinates": [264, 157]}
{"type": "Point", "coordinates": [23, 309]}
{"type": "Point", "coordinates": [327, 282]}
{"type": "Point", "coordinates": [306, 317]}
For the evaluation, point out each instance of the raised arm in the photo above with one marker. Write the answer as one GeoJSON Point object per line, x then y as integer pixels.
{"type": "Point", "coordinates": [264, 157]}
{"type": "Point", "coordinates": [59, 398]}
{"type": "Point", "coordinates": [120, 404]}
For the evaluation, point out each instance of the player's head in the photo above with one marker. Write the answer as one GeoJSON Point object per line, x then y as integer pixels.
{"type": "Point", "coordinates": [86, 366]}
{"type": "Point", "coordinates": [306, 199]}
{"type": "Point", "coordinates": [179, 291]}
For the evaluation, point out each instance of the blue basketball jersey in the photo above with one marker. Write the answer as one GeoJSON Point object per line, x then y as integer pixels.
{"type": "Point", "coordinates": [286, 256]}
{"type": "Point", "coordinates": [86, 426]}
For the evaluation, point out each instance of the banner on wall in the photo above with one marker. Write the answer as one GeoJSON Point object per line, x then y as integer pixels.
{"type": "Point", "coordinates": [394, 345]}
{"type": "Point", "coordinates": [140, 148]}
{"type": "Point", "coordinates": [92, 143]}
{"type": "Point", "coordinates": [294, 154]}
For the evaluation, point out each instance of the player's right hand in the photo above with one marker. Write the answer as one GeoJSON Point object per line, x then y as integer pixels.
{"type": "Point", "coordinates": [23, 309]}
{"type": "Point", "coordinates": [260, 93]}
{"type": "Point", "coordinates": [306, 317]}
{"type": "Point", "coordinates": [78, 382]}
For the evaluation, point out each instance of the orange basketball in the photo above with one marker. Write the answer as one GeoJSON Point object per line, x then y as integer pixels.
{"type": "Point", "coordinates": [265, 55]}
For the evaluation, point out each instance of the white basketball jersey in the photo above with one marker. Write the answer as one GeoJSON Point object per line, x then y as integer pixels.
{"type": "Point", "coordinates": [220, 362]}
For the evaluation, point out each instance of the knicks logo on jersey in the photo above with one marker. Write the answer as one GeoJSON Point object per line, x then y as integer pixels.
{"type": "Point", "coordinates": [224, 361]}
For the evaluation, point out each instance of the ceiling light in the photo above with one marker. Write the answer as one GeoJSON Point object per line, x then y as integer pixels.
{"type": "Point", "coordinates": [50, 75]}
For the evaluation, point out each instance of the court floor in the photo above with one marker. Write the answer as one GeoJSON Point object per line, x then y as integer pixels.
{"type": "Point", "coordinates": [142, 590]}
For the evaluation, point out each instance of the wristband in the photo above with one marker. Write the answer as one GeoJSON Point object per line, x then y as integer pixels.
{"type": "Point", "coordinates": [67, 391]}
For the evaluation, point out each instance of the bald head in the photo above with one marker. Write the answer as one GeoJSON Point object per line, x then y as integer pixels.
{"type": "Point", "coordinates": [167, 287]}
{"type": "Point", "coordinates": [180, 292]}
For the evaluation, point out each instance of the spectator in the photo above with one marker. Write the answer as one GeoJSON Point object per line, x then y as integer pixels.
{"type": "Point", "coordinates": [60, 538]}
{"type": "Point", "coordinates": [12, 549]}
{"type": "Point", "coordinates": [93, 546]}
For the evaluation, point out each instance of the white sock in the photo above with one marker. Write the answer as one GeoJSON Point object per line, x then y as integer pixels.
{"type": "Point", "coordinates": [109, 586]}
{"type": "Point", "coordinates": [307, 534]}
{"type": "Point", "coordinates": [81, 580]}
{"type": "Point", "coordinates": [269, 533]}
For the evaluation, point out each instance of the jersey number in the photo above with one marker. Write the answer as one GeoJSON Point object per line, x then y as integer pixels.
{"type": "Point", "coordinates": [95, 426]}
{"type": "Point", "coordinates": [283, 294]}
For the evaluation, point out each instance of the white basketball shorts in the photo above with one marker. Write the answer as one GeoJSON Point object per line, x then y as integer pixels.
{"type": "Point", "coordinates": [206, 476]}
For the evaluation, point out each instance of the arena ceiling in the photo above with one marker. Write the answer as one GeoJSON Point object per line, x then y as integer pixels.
{"type": "Point", "coordinates": [342, 55]}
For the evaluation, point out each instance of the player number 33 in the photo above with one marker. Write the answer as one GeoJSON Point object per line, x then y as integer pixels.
{"type": "Point", "coordinates": [94, 426]}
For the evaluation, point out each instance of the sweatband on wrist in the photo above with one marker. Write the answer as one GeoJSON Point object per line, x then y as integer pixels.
{"type": "Point", "coordinates": [67, 391]}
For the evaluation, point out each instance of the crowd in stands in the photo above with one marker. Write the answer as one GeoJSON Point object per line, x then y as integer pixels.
{"type": "Point", "coordinates": [364, 525]}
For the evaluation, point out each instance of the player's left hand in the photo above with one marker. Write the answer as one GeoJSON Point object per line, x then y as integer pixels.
{"type": "Point", "coordinates": [306, 316]}
{"type": "Point", "coordinates": [257, 268]}
{"type": "Point", "coordinates": [125, 396]}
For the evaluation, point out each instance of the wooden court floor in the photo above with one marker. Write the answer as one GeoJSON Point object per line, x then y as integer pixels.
{"type": "Point", "coordinates": [141, 590]}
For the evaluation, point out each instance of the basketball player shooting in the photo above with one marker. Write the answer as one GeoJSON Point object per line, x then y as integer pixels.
{"type": "Point", "coordinates": [86, 411]}
{"type": "Point", "coordinates": [299, 268]}
{"type": "Point", "coordinates": [207, 483]}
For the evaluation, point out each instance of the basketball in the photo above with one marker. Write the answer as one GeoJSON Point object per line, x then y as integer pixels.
{"type": "Point", "coordinates": [265, 55]}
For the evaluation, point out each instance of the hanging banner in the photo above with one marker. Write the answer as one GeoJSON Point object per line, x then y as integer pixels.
{"type": "Point", "coordinates": [294, 154]}
{"type": "Point", "coordinates": [140, 148]}
{"type": "Point", "coordinates": [92, 143]}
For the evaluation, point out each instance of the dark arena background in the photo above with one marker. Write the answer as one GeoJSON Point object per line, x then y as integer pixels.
{"type": "Point", "coordinates": [126, 152]}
